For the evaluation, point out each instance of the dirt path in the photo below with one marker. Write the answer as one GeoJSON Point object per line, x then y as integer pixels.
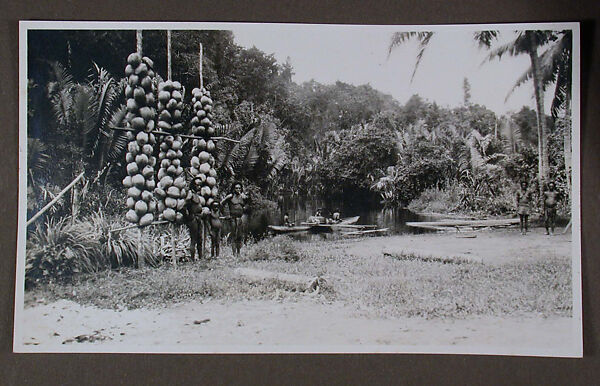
{"type": "Point", "coordinates": [308, 325]}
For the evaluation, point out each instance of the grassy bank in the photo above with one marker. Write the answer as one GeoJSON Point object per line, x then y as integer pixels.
{"type": "Point", "coordinates": [386, 285]}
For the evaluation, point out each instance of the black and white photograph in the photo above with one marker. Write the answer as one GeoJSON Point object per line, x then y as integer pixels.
{"type": "Point", "coordinates": [299, 188]}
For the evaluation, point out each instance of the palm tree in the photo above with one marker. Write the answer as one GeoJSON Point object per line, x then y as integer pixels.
{"type": "Point", "coordinates": [84, 113]}
{"type": "Point", "coordinates": [556, 68]}
{"type": "Point", "coordinates": [528, 43]}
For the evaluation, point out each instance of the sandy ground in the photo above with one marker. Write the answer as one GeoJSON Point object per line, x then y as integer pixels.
{"type": "Point", "coordinates": [305, 326]}
{"type": "Point", "coordinates": [310, 323]}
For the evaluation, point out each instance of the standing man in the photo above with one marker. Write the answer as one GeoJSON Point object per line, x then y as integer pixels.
{"type": "Point", "coordinates": [550, 202]}
{"type": "Point", "coordinates": [193, 219]}
{"type": "Point", "coordinates": [238, 208]}
{"type": "Point", "coordinates": [523, 206]}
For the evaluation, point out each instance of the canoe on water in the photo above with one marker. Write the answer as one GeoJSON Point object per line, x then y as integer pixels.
{"type": "Point", "coordinates": [288, 229]}
{"type": "Point", "coordinates": [348, 221]}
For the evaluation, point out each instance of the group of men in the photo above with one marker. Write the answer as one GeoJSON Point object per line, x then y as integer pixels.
{"type": "Point", "coordinates": [549, 198]}
{"type": "Point", "coordinates": [238, 205]}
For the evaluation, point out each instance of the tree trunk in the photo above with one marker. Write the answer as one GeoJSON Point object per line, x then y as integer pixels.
{"type": "Point", "coordinates": [543, 164]}
{"type": "Point", "coordinates": [169, 55]}
{"type": "Point", "coordinates": [567, 145]}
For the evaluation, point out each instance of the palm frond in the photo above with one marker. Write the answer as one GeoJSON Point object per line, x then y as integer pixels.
{"type": "Point", "coordinates": [399, 38]}
{"type": "Point", "coordinates": [485, 38]}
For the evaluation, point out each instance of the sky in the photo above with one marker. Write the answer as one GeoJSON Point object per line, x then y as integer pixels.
{"type": "Point", "coordinates": [359, 55]}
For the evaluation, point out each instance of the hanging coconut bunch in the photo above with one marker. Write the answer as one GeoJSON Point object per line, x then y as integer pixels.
{"type": "Point", "coordinates": [141, 114]}
{"type": "Point", "coordinates": [170, 190]}
{"type": "Point", "coordinates": [203, 160]}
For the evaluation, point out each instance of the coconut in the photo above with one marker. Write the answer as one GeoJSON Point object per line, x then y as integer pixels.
{"type": "Point", "coordinates": [172, 170]}
{"type": "Point", "coordinates": [142, 137]}
{"type": "Point", "coordinates": [141, 160]}
{"type": "Point", "coordinates": [138, 123]}
{"type": "Point", "coordinates": [177, 114]}
{"type": "Point", "coordinates": [211, 181]}
{"type": "Point", "coordinates": [208, 108]}
{"type": "Point", "coordinates": [166, 181]}
{"type": "Point", "coordinates": [150, 127]}
{"type": "Point", "coordinates": [152, 206]}
{"type": "Point", "coordinates": [165, 163]}
{"type": "Point", "coordinates": [202, 144]}
{"type": "Point", "coordinates": [164, 125]}
{"type": "Point", "coordinates": [130, 202]}
{"type": "Point", "coordinates": [161, 174]}
{"type": "Point", "coordinates": [133, 148]}
{"type": "Point", "coordinates": [134, 192]}
{"type": "Point", "coordinates": [210, 146]}
{"type": "Point", "coordinates": [176, 162]}
{"type": "Point", "coordinates": [132, 106]}
{"type": "Point", "coordinates": [201, 114]}
{"type": "Point", "coordinates": [165, 116]}
{"type": "Point", "coordinates": [128, 70]}
{"type": "Point", "coordinates": [134, 59]}
{"type": "Point", "coordinates": [203, 156]}
{"type": "Point", "coordinates": [132, 168]}
{"type": "Point", "coordinates": [131, 216]}
{"type": "Point", "coordinates": [215, 192]}
{"type": "Point", "coordinates": [139, 94]}
{"type": "Point", "coordinates": [169, 214]}
{"type": "Point", "coordinates": [138, 181]}
{"type": "Point", "coordinates": [146, 195]}
{"type": "Point", "coordinates": [152, 161]}
{"type": "Point", "coordinates": [130, 136]}
{"type": "Point", "coordinates": [170, 202]}
{"type": "Point", "coordinates": [205, 191]}
{"type": "Point", "coordinates": [179, 182]}
{"type": "Point", "coordinates": [205, 211]}
{"type": "Point", "coordinates": [141, 208]}
{"type": "Point", "coordinates": [127, 182]}
{"type": "Point", "coordinates": [150, 98]}
{"type": "Point", "coordinates": [205, 100]}
{"type": "Point", "coordinates": [148, 171]}
{"type": "Point", "coordinates": [160, 192]}
{"type": "Point", "coordinates": [133, 80]}
{"type": "Point", "coordinates": [160, 206]}
{"type": "Point", "coordinates": [180, 203]}
{"type": "Point", "coordinates": [194, 171]}
{"type": "Point", "coordinates": [173, 191]}
{"type": "Point", "coordinates": [146, 219]}
{"type": "Point", "coordinates": [204, 168]}
{"type": "Point", "coordinates": [141, 70]}
{"type": "Point", "coordinates": [171, 154]}
{"type": "Point", "coordinates": [177, 144]}
{"type": "Point", "coordinates": [147, 149]}
{"type": "Point", "coordinates": [147, 83]}
{"type": "Point", "coordinates": [150, 184]}
{"type": "Point", "coordinates": [212, 173]}
{"type": "Point", "coordinates": [147, 113]}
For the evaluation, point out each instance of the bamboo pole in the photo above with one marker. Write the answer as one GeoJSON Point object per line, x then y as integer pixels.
{"type": "Point", "coordinates": [138, 41]}
{"type": "Point", "coordinates": [141, 258]}
{"type": "Point", "coordinates": [169, 54]}
{"type": "Point", "coordinates": [200, 66]}
{"type": "Point", "coordinates": [173, 247]}
{"type": "Point", "coordinates": [136, 226]}
{"type": "Point", "coordinates": [55, 199]}
{"type": "Point", "coordinates": [158, 132]}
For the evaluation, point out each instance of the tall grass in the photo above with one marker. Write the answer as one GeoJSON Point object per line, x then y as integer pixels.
{"type": "Point", "coordinates": [60, 248]}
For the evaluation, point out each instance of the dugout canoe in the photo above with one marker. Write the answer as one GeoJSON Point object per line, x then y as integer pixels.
{"type": "Point", "coordinates": [288, 229]}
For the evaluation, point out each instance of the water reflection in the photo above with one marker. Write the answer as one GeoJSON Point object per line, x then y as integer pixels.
{"type": "Point", "coordinates": [393, 219]}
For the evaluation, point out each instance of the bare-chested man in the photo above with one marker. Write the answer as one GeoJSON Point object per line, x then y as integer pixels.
{"type": "Point", "coordinates": [550, 203]}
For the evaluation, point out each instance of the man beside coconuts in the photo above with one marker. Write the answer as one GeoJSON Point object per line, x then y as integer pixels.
{"type": "Point", "coordinates": [238, 209]}
{"type": "Point", "coordinates": [193, 217]}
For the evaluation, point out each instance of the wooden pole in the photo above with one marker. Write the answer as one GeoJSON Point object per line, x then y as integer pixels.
{"type": "Point", "coordinates": [138, 41]}
{"type": "Point", "coordinates": [169, 54]}
{"type": "Point", "coordinates": [141, 258]}
{"type": "Point", "coordinates": [158, 132]}
{"type": "Point", "coordinates": [58, 196]}
{"type": "Point", "coordinates": [173, 251]}
{"type": "Point", "coordinates": [136, 226]}
{"type": "Point", "coordinates": [200, 66]}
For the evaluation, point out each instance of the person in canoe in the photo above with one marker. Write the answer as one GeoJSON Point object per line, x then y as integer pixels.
{"type": "Point", "coordinates": [317, 218]}
{"type": "Point", "coordinates": [335, 217]}
{"type": "Point", "coordinates": [286, 220]}
{"type": "Point", "coordinates": [238, 209]}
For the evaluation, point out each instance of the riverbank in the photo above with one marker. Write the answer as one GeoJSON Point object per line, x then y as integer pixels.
{"type": "Point", "coordinates": [430, 289]}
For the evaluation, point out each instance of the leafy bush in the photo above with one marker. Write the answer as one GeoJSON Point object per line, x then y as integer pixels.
{"type": "Point", "coordinates": [59, 249]}
{"type": "Point", "coordinates": [276, 248]}
{"type": "Point", "coordinates": [437, 200]}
